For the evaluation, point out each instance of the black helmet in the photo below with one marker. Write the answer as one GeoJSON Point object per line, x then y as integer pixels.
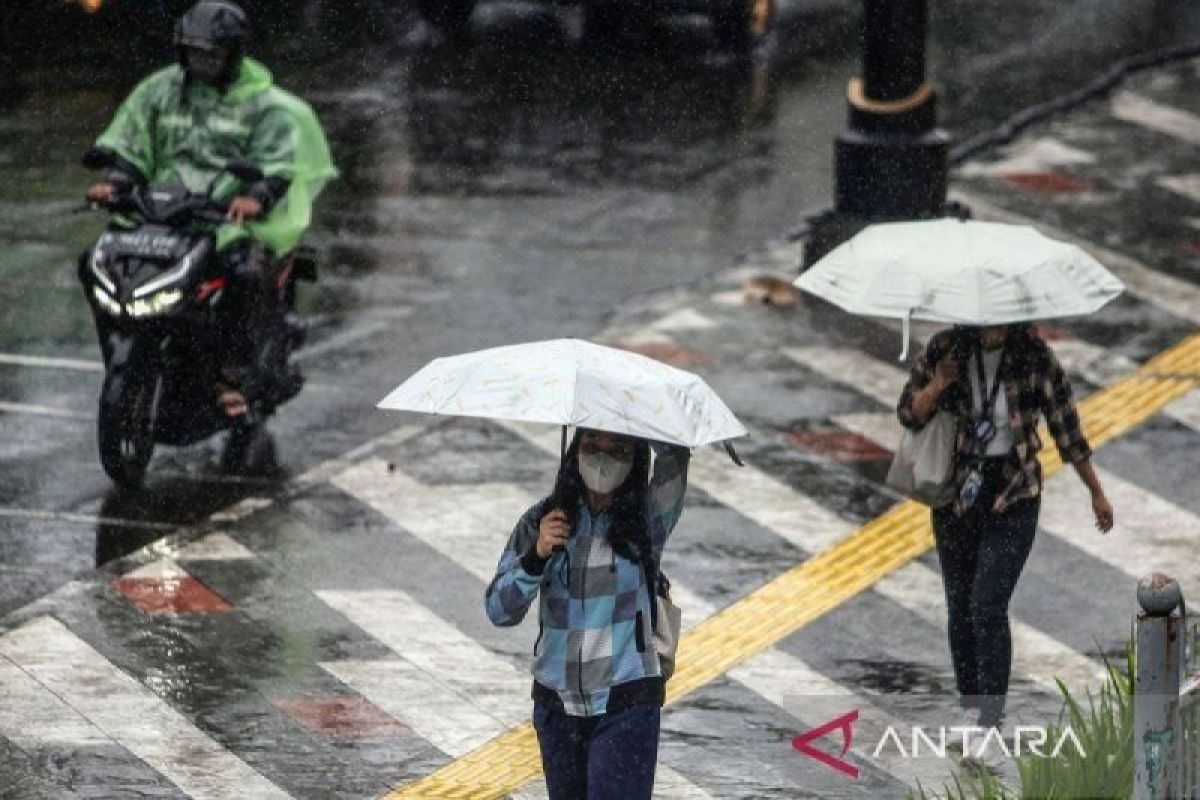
{"type": "Point", "coordinates": [214, 26]}
{"type": "Point", "coordinates": [213, 23]}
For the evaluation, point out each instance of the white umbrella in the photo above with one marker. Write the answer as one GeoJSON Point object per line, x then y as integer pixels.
{"type": "Point", "coordinates": [961, 272]}
{"type": "Point", "coordinates": [572, 382]}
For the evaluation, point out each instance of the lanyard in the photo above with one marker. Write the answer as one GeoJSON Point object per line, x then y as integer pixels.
{"type": "Point", "coordinates": [987, 399]}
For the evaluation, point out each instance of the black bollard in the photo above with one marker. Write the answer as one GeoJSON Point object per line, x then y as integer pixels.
{"type": "Point", "coordinates": [892, 161]}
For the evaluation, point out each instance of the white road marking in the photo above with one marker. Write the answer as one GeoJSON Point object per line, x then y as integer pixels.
{"type": "Point", "coordinates": [349, 336]}
{"type": "Point", "coordinates": [32, 716]}
{"type": "Point", "coordinates": [37, 410]}
{"type": "Point", "coordinates": [215, 547]}
{"type": "Point", "coordinates": [1186, 410]}
{"type": "Point", "coordinates": [1179, 297]}
{"type": "Point", "coordinates": [847, 366]}
{"type": "Point", "coordinates": [130, 714]}
{"type": "Point", "coordinates": [319, 474]}
{"type": "Point", "coordinates": [1151, 533]}
{"type": "Point", "coordinates": [46, 362]}
{"type": "Point", "coordinates": [1147, 113]}
{"type": "Point", "coordinates": [685, 319]}
{"type": "Point", "coordinates": [1185, 185]}
{"type": "Point", "coordinates": [84, 519]}
{"type": "Point", "coordinates": [469, 533]}
{"type": "Point", "coordinates": [1034, 155]}
{"type": "Point", "coordinates": [882, 428]}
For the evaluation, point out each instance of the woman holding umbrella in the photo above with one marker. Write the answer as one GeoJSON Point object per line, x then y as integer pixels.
{"type": "Point", "coordinates": [591, 550]}
{"type": "Point", "coordinates": [996, 380]}
{"type": "Point", "coordinates": [995, 376]}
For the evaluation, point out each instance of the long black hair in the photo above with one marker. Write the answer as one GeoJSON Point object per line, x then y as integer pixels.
{"type": "Point", "coordinates": [1022, 341]}
{"type": "Point", "coordinates": [627, 533]}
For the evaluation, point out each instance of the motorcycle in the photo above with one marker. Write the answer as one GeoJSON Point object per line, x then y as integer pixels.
{"type": "Point", "coordinates": [156, 288]}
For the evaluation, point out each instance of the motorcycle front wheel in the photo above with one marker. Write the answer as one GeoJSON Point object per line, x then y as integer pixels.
{"type": "Point", "coordinates": [128, 407]}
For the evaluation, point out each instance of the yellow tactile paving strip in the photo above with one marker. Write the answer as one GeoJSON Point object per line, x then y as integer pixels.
{"type": "Point", "coordinates": [808, 590]}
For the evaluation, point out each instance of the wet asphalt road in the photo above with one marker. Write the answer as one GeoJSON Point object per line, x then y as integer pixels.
{"type": "Point", "coordinates": [528, 186]}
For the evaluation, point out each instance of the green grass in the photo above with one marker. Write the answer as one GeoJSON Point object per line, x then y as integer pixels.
{"type": "Point", "coordinates": [1103, 723]}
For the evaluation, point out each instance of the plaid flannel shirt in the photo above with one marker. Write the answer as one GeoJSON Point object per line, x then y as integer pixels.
{"type": "Point", "coordinates": [594, 618]}
{"type": "Point", "coordinates": [1034, 383]}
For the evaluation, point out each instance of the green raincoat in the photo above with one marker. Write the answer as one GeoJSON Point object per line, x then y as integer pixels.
{"type": "Point", "coordinates": [179, 131]}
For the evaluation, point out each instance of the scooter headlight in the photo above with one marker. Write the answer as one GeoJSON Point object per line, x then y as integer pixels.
{"type": "Point", "coordinates": [106, 301]}
{"type": "Point", "coordinates": [155, 304]}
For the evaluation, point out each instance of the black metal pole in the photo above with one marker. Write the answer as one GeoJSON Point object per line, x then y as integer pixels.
{"type": "Point", "coordinates": [892, 161]}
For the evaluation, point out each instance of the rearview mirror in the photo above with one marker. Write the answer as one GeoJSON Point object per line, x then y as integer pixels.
{"type": "Point", "coordinates": [244, 171]}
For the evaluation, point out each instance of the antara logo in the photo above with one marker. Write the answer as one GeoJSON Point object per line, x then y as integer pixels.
{"type": "Point", "coordinates": [1028, 740]}
{"type": "Point", "coordinates": [845, 724]}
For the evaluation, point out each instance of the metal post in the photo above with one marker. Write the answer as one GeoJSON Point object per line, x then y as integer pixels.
{"type": "Point", "coordinates": [1157, 732]}
{"type": "Point", "coordinates": [892, 161]}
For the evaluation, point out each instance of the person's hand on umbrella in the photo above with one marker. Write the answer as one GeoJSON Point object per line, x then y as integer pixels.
{"type": "Point", "coordinates": [553, 532]}
{"type": "Point", "coordinates": [1103, 511]}
{"type": "Point", "coordinates": [945, 373]}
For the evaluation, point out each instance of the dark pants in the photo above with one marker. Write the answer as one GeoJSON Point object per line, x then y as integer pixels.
{"type": "Point", "coordinates": [982, 554]}
{"type": "Point", "coordinates": [252, 349]}
{"type": "Point", "coordinates": [608, 757]}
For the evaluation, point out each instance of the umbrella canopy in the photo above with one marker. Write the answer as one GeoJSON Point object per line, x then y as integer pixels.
{"type": "Point", "coordinates": [963, 272]}
{"type": "Point", "coordinates": [572, 382]}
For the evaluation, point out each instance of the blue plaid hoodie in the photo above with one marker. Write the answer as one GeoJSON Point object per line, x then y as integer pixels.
{"type": "Point", "coordinates": [594, 621]}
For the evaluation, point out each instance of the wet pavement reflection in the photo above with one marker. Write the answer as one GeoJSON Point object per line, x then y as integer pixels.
{"type": "Point", "coordinates": [535, 182]}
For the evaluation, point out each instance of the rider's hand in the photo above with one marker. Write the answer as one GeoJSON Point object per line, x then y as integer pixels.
{"type": "Point", "coordinates": [553, 531]}
{"type": "Point", "coordinates": [244, 208]}
{"type": "Point", "coordinates": [101, 193]}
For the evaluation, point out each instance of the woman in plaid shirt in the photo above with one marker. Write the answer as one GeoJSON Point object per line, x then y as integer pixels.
{"type": "Point", "coordinates": [996, 381]}
{"type": "Point", "coordinates": [591, 551]}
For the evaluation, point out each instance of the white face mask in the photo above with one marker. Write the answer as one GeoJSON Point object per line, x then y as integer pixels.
{"type": "Point", "coordinates": [602, 473]}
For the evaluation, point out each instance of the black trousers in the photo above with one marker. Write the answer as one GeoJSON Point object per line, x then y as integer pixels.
{"type": "Point", "coordinates": [251, 346]}
{"type": "Point", "coordinates": [982, 554]}
{"type": "Point", "coordinates": [609, 757]}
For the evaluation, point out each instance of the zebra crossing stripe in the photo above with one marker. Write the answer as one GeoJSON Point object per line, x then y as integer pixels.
{"type": "Point", "coordinates": [32, 716]}
{"type": "Point", "coordinates": [822, 583]}
{"type": "Point", "coordinates": [1142, 111]}
{"type": "Point", "coordinates": [37, 410]}
{"type": "Point", "coordinates": [44, 362]}
{"type": "Point", "coordinates": [1185, 185]}
{"type": "Point", "coordinates": [128, 713]}
{"type": "Point", "coordinates": [1158, 289]}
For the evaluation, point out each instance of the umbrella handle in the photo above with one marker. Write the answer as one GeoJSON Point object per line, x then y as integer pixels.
{"type": "Point", "coordinates": [906, 335]}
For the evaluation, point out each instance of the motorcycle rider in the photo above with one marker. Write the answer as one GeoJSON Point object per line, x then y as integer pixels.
{"type": "Point", "coordinates": [183, 125]}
